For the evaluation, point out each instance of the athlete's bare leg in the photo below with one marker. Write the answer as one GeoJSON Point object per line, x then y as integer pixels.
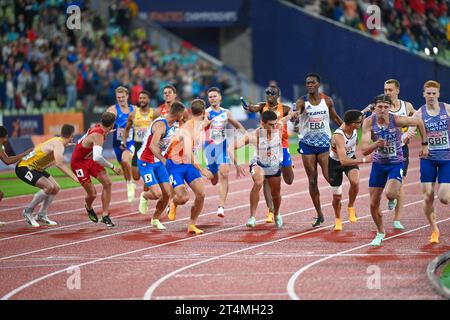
{"type": "Point", "coordinates": [375, 211]}
{"type": "Point", "coordinates": [258, 180]}
{"type": "Point", "coordinates": [310, 164]}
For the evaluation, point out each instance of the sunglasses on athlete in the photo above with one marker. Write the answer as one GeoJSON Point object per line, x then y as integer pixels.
{"type": "Point", "coordinates": [271, 92]}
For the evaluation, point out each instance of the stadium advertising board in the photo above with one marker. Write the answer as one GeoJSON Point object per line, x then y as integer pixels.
{"type": "Point", "coordinates": [23, 126]}
{"type": "Point", "coordinates": [54, 121]}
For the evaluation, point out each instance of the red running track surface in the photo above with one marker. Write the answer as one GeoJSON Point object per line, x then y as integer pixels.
{"type": "Point", "coordinates": [229, 261]}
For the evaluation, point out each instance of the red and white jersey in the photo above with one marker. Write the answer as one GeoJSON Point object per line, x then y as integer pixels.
{"type": "Point", "coordinates": [81, 153]}
{"type": "Point", "coordinates": [144, 153]}
{"type": "Point", "coordinates": [164, 111]}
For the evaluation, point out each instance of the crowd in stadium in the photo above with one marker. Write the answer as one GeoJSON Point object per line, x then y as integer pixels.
{"type": "Point", "coordinates": [416, 24]}
{"type": "Point", "coordinates": [41, 60]}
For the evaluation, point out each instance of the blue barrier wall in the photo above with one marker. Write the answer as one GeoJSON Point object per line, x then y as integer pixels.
{"type": "Point", "coordinates": [288, 43]}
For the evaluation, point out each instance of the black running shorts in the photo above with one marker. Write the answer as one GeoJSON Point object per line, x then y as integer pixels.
{"type": "Point", "coordinates": [30, 176]}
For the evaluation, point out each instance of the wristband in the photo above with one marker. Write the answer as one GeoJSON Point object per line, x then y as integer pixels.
{"type": "Point", "coordinates": [425, 143]}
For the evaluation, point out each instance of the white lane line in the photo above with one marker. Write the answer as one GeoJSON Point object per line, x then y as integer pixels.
{"type": "Point", "coordinates": [412, 169]}
{"type": "Point", "coordinates": [64, 200]}
{"type": "Point", "coordinates": [37, 280]}
{"type": "Point", "coordinates": [49, 229]}
{"type": "Point", "coordinates": [290, 195]}
{"type": "Point", "coordinates": [221, 296]}
{"type": "Point", "coordinates": [141, 228]}
{"type": "Point", "coordinates": [115, 183]}
{"type": "Point", "coordinates": [291, 283]}
{"type": "Point", "coordinates": [148, 294]}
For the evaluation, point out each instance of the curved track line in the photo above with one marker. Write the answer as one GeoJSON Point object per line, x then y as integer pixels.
{"type": "Point", "coordinates": [148, 294]}
{"type": "Point", "coordinates": [142, 228]}
{"type": "Point", "coordinates": [32, 282]}
{"type": "Point", "coordinates": [291, 283]}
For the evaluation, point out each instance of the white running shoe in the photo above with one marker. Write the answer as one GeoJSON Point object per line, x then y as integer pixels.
{"type": "Point", "coordinates": [221, 212]}
{"type": "Point", "coordinates": [143, 204]}
{"type": "Point", "coordinates": [131, 187]}
{"type": "Point", "coordinates": [157, 224]}
{"type": "Point", "coordinates": [42, 216]}
{"type": "Point", "coordinates": [28, 215]}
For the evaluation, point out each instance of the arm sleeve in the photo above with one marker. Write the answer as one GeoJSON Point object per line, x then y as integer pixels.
{"type": "Point", "coordinates": [98, 157]}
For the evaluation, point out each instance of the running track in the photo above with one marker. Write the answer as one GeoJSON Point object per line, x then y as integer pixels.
{"type": "Point", "coordinates": [229, 261]}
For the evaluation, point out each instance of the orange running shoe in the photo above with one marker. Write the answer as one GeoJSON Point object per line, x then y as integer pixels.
{"type": "Point", "coordinates": [172, 212]}
{"type": "Point", "coordinates": [269, 218]}
{"type": "Point", "coordinates": [434, 237]}
{"type": "Point", "coordinates": [352, 214]}
{"type": "Point", "coordinates": [337, 225]}
{"type": "Point", "coordinates": [192, 229]}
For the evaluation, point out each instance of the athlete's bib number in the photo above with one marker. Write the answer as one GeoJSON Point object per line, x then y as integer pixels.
{"type": "Point", "coordinates": [28, 156]}
{"type": "Point", "coordinates": [438, 140]}
{"type": "Point", "coordinates": [29, 176]}
{"type": "Point", "coordinates": [121, 131]}
{"type": "Point", "coordinates": [140, 134]}
{"type": "Point", "coordinates": [218, 134]}
{"type": "Point", "coordinates": [389, 151]}
{"type": "Point", "coordinates": [148, 178]}
{"type": "Point", "coordinates": [316, 125]}
{"type": "Point", "coordinates": [79, 173]}
{"type": "Point", "coordinates": [172, 180]}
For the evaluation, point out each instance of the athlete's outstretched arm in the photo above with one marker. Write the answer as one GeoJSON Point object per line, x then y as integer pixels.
{"type": "Point", "coordinates": [401, 121]}
{"type": "Point", "coordinates": [128, 126]}
{"type": "Point", "coordinates": [58, 154]}
{"type": "Point", "coordinates": [254, 107]}
{"type": "Point", "coordinates": [342, 154]}
{"type": "Point", "coordinates": [13, 159]}
{"type": "Point", "coordinates": [159, 130]}
{"type": "Point", "coordinates": [236, 123]}
{"type": "Point", "coordinates": [97, 153]}
{"type": "Point", "coordinates": [333, 115]}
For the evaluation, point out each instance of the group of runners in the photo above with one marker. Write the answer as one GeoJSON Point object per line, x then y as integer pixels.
{"type": "Point", "coordinates": [164, 147]}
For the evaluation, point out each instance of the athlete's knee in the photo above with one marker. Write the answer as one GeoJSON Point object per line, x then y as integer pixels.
{"type": "Point", "coordinates": [91, 194]}
{"type": "Point", "coordinates": [200, 195]}
{"type": "Point", "coordinates": [55, 189]}
{"type": "Point", "coordinates": [215, 179]}
{"type": "Point", "coordinates": [107, 183]}
{"type": "Point", "coordinates": [392, 194]}
{"type": "Point", "coordinates": [180, 199]}
{"type": "Point", "coordinates": [313, 183]}
{"type": "Point", "coordinates": [337, 191]}
{"type": "Point", "coordinates": [258, 183]}
{"type": "Point", "coordinates": [153, 195]}
{"type": "Point", "coordinates": [444, 197]}
{"type": "Point", "coordinates": [223, 174]}
{"type": "Point", "coordinates": [48, 189]}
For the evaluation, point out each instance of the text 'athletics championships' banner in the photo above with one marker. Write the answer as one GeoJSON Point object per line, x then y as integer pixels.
{"type": "Point", "coordinates": [196, 13]}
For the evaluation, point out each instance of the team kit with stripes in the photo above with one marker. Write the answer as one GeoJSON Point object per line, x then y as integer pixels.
{"type": "Point", "coordinates": [171, 148]}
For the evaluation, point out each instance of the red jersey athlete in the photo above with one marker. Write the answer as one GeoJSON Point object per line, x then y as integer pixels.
{"type": "Point", "coordinates": [87, 160]}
